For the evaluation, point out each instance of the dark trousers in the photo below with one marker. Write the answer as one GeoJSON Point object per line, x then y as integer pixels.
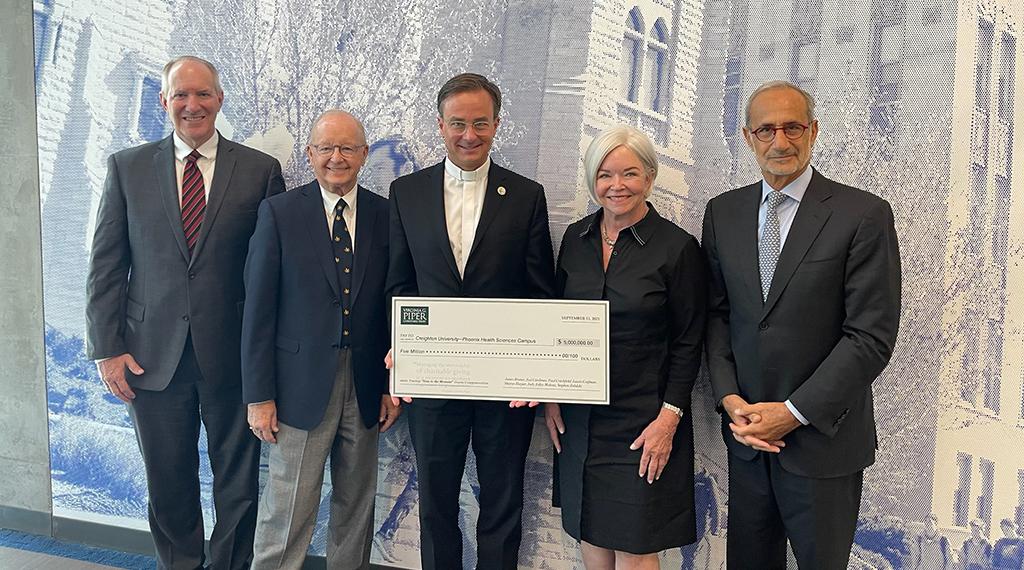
{"type": "Point", "coordinates": [167, 428]}
{"type": "Point", "coordinates": [768, 504]}
{"type": "Point", "coordinates": [441, 431]}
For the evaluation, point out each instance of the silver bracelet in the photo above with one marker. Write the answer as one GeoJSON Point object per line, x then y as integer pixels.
{"type": "Point", "coordinates": [674, 409]}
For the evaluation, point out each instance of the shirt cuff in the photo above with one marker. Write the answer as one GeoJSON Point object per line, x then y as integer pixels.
{"type": "Point", "coordinates": [796, 413]}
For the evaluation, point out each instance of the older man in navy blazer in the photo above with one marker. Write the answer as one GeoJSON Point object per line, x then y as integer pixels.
{"type": "Point", "coordinates": [314, 336]}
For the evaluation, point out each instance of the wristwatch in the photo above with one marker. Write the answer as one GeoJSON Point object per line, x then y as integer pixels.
{"type": "Point", "coordinates": [674, 409]}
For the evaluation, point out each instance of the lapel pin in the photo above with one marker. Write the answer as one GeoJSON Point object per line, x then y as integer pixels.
{"type": "Point", "coordinates": [501, 190]}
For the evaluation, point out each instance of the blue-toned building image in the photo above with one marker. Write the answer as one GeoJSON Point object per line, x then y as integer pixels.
{"type": "Point", "coordinates": [916, 101]}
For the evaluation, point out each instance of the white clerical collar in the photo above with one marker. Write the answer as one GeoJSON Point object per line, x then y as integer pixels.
{"type": "Point", "coordinates": [795, 189]}
{"type": "Point", "coordinates": [331, 199]}
{"type": "Point", "coordinates": [466, 175]}
{"type": "Point", "coordinates": [208, 149]}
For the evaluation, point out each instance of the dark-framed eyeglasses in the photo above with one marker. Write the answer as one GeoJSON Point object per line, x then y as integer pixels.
{"type": "Point", "coordinates": [793, 131]}
{"type": "Point", "coordinates": [347, 151]}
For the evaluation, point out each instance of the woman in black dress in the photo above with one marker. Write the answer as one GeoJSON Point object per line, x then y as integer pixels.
{"type": "Point", "coordinates": [624, 473]}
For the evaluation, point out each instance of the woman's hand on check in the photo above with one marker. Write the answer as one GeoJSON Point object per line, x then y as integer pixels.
{"type": "Point", "coordinates": [521, 403]}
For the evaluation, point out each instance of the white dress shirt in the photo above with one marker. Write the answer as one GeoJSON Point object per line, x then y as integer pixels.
{"type": "Point", "coordinates": [348, 214]}
{"type": "Point", "coordinates": [794, 192]}
{"type": "Point", "coordinates": [463, 201]}
{"type": "Point", "coordinates": [208, 150]}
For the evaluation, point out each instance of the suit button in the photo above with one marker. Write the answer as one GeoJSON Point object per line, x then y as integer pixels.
{"type": "Point", "coordinates": [191, 275]}
{"type": "Point", "coordinates": [346, 312]}
{"type": "Point", "coordinates": [344, 333]}
{"type": "Point", "coordinates": [184, 318]}
{"type": "Point", "coordinates": [763, 326]}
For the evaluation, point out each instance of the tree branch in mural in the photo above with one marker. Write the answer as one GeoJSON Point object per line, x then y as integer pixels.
{"type": "Point", "coordinates": [235, 36]}
{"type": "Point", "coordinates": [369, 58]}
{"type": "Point", "coordinates": [908, 172]}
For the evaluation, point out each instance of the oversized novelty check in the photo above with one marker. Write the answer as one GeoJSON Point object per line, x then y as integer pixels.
{"type": "Point", "coordinates": [500, 349]}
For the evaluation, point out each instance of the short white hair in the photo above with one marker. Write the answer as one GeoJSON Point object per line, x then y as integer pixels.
{"type": "Point", "coordinates": [611, 139]}
{"type": "Point", "coordinates": [779, 84]}
{"type": "Point", "coordinates": [165, 75]}
{"type": "Point", "coordinates": [336, 113]}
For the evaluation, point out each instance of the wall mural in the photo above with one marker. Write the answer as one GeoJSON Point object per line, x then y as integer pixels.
{"type": "Point", "coordinates": [916, 102]}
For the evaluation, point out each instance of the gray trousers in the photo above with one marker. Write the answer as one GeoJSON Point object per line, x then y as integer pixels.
{"type": "Point", "coordinates": [288, 507]}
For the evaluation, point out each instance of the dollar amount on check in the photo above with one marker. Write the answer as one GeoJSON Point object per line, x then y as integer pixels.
{"type": "Point", "coordinates": [500, 349]}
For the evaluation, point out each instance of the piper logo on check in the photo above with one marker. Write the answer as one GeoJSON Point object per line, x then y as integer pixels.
{"type": "Point", "coordinates": [415, 315]}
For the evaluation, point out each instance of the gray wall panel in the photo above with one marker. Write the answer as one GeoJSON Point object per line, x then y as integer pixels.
{"type": "Point", "coordinates": [24, 452]}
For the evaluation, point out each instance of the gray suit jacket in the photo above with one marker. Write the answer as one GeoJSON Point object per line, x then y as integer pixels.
{"type": "Point", "coordinates": [826, 330]}
{"type": "Point", "coordinates": [144, 292]}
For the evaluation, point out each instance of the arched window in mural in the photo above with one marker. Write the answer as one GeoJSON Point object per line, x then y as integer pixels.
{"type": "Point", "coordinates": [632, 55]}
{"type": "Point", "coordinates": [657, 67]}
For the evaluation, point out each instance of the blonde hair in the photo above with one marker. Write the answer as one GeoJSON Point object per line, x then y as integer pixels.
{"type": "Point", "coordinates": [611, 139]}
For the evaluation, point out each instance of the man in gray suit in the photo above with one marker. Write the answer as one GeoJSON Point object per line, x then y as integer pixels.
{"type": "Point", "coordinates": [804, 306]}
{"type": "Point", "coordinates": [163, 313]}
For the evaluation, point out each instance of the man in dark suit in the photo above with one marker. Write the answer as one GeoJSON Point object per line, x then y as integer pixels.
{"type": "Point", "coordinates": [804, 309]}
{"type": "Point", "coordinates": [314, 337]}
{"type": "Point", "coordinates": [467, 227]}
{"type": "Point", "coordinates": [164, 307]}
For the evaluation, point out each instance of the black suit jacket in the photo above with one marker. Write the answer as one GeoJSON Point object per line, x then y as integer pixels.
{"type": "Point", "coordinates": [826, 330]}
{"type": "Point", "coordinates": [292, 329]}
{"type": "Point", "coordinates": [144, 292]}
{"type": "Point", "coordinates": [511, 256]}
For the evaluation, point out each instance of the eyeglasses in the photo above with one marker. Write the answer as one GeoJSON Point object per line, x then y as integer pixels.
{"type": "Point", "coordinates": [479, 127]}
{"type": "Point", "coordinates": [328, 149]}
{"type": "Point", "coordinates": [793, 131]}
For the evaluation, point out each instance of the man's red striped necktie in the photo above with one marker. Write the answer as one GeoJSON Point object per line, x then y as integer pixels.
{"type": "Point", "coordinates": [193, 199]}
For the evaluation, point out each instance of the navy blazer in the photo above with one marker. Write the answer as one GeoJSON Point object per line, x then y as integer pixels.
{"type": "Point", "coordinates": [292, 322]}
{"type": "Point", "coordinates": [826, 330]}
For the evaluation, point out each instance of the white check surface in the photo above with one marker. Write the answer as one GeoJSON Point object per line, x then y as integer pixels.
{"type": "Point", "coordinates": [500, 349]}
